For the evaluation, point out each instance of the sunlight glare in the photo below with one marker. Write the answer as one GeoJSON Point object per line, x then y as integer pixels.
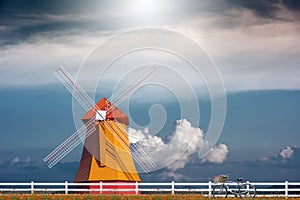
{"type": "Point", "coordinates": [145, 6]}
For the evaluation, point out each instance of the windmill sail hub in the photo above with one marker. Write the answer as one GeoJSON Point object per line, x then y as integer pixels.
{"type": "Point", "coordinates": [100, 115]}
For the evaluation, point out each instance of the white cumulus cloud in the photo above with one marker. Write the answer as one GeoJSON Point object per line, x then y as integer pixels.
{"type": "Point", "coordinates": [218, 154]}
{"type": "Point", "coordinates": [286, 153]}
{"type": "Point", "coordinates": [176, 150]}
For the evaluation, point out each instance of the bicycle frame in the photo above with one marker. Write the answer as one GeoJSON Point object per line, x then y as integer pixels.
{"type": "Point", "coordinates": [235, 190]}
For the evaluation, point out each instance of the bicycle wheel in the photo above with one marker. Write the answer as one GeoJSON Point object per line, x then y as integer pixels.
{"type": "Point", "coordinates": [247, 191]}
{"type": "Point", "coordinates": [219, 191]}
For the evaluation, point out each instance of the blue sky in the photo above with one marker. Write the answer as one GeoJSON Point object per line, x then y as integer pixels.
{"type": "Point", "coordinates": [254, 44]}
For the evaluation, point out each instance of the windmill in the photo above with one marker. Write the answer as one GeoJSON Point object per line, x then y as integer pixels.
{"type": "Point", "coordinates": [107, 154]}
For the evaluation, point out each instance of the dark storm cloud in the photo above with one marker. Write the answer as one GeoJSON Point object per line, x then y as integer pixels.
{"type": "Point", "coordinates": [19, 19]}
{"type": "Point", "coordinates": [292, 4]}
{"type": "Point", "coordinates": [267, 8]}
{"type": "Point", "coordinates": [63, 6]}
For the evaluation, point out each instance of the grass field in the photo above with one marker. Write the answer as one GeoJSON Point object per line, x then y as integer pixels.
{"type": "Point", "coordinates": [114, 197]}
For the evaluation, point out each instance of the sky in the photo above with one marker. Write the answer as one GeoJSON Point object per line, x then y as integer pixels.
{"type": "Point", "coordinates": [253, 44]}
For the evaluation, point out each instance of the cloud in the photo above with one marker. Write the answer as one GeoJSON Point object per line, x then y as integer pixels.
{"type": "Point", "coordinates": [268, 168]}
{"type": "Point", "coordinates": [275, 168]}
{"type": "Point", "coordinates": [56, 34]}
{"type": "Point", "coordinates": [264, 158]}
{"type": "Point", "coordinates": [288, 156]}
{"type": "Point", "coordinates": [16, 160]}
{"type": "Point", "coordinates": [286, 153]}
{"type": "Point", "coordinates": [256, 61]}
{"type": "Point", "coordinates": [174, 176]}
{"type": "Point", "coordinates": [218, 154]}
{"type": "Point", "coordinates": [42, 56]}
{"type": "Point", "coordinates": [24, 169]}
{"type": "Point", "coordinates": [267, 8]}
{"type": "Point", "coordinates": [176, 151]}
{"type": "Point", "coordinates": [28, 159]}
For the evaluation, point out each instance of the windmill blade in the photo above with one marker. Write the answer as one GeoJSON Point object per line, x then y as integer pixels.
{"type": "Point", "coordinates": [70, 143]}
{"type": "Point", "coordinates": [141, 153]}
{"type": "Point", "coordinates": [81, 96]}
{"type": "Point", "coordinates": [128, 88]}
{"type": "Point", "coordinates": [74, 88]}
{"type": "Point", "coordinates": [140, 160]}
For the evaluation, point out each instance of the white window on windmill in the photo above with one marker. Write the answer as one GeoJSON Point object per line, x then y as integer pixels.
{"type": "Point", "coordinates": [100, 115]}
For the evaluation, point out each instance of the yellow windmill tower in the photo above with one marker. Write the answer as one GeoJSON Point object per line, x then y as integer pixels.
{"type": "Point", "coordinates": [106, 155]}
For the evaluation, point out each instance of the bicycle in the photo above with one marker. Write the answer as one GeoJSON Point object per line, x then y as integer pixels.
{"type": "Point", "coordinates": [242, 189]}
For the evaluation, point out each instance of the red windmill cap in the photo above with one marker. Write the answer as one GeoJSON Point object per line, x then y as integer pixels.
{"type": "Point", "coordinates": [113, 113]}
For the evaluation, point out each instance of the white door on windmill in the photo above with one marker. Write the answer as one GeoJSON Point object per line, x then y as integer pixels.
{"type": "Point", "coordinates": [100, 115]}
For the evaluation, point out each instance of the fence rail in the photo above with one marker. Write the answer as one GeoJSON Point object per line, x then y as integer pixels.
{"type": "Point", "coordinates": [267, 189]}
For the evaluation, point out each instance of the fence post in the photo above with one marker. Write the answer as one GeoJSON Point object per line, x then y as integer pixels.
{"type": "Point", "coordinates": [136, 187]}
{"type": "Point", "coordinates": [173, 187]}
{"type": "Point", "coordinates": [286, 189]}
{"type": "Point", "coordinates": [32, 187]}
{"type": "Point", "coordinates": [66, 187]}
{"type": "Point", "coordinates": [101, 187]}
{"type": "Point", "coordinates": [209, 189]}
{"type": "Point", "coordinates": [248, 185]}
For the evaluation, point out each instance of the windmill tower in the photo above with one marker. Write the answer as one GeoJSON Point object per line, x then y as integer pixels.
{"type": "Point", "coordinates": [105, 156]}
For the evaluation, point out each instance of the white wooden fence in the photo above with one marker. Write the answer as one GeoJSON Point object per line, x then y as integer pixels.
{"type": "Point", "coordinates": [268, 189]}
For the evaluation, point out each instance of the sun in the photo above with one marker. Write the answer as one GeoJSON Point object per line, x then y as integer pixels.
{"type": "Point", "coordinates": [145, 6]}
